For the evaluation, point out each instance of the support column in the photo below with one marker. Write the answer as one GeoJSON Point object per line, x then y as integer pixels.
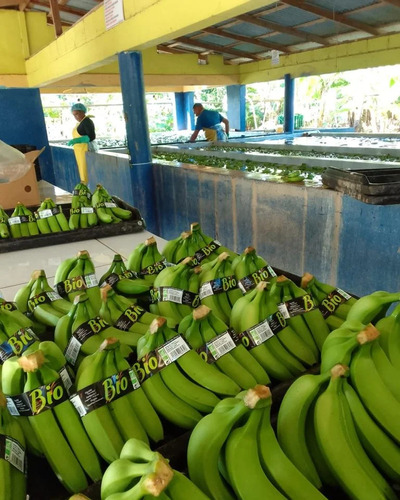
{"type": "Point", "coordinates": [289, 104]}
{"type": "Point", "coordinates": [184, 110]}
{"type": "Point", "coordinates": [236, 106]}
{"type": "Point", "coordinates": [137, 132]}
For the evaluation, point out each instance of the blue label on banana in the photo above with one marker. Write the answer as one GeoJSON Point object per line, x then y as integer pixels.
{"type": "Point", "coordinates": [81, 210]}
{"type": "Point", "coordinates": [86, 330]}
{"type": "Point", "coordinates": [13, 451]}
{"type": "Point", "coordinates": [260, 333]}
{"type": "Point", "coordinates": [251, 281]}
{"type": "Point", "coordinates": [17, 344]}
{"type": "Point", "coordinates": [37, 401]}
{"type": "Point", "coordinates": [220, 345]}
{"type": "Point", "coordinates": [205, 252]}
{"type": "Point", "coordinates": [8, 306]}
{"type": "Point", "coordinates": [130, 316]}
{"type": "Point", "coordinates": [332, 301]}
{"type": "Point", "coordinates": [219, 285]}
{"type": "Point", "coordinates": [113, 278]}
{"type": "Point", "coordinates": [104, 392]}
{"type": "Point", "coordinates": [106, 204]}
{"type": "Point", "coordinates": [155, 268]}
{"type": "Point", "coordinates": [76, 284]}
{"type": "Point", "coordinates": [177, 295]}
{"type": "Point", "coordinates": [165, 354]}
{"type": "Point", "coordinates": [294, 307]}
{"type": "Point", "coordinates": [42, 298]}
{"type": "Point", "coordinates": [46, 213]}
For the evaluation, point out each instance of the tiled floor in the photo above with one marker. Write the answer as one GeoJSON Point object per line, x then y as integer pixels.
{"type": "Point", "coordinates": [17, 267]}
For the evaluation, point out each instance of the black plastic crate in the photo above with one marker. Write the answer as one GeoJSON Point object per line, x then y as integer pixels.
{"type": "Point", "coordinates": [133, 225]}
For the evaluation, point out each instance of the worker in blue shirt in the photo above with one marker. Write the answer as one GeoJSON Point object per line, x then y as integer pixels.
{"type": "Point", "coordinates": [210, 122]}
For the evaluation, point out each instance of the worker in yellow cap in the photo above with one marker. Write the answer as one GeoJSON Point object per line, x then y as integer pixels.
{"type": "Point", "coordinates": [84, 138]}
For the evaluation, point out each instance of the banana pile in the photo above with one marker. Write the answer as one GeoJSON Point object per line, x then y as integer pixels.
{"type": "Point", "coordinates": [12, 456]}
{"type": "Point", "coordinates": [82, 331]}
{"type": "Point", "coordinates": [50, 218]}
{"type": "Point", "coordinates": [38, 396]}
{"type": "Point", "coordinates": [146, 261]}
{"type": "Point", "coordinates": [4, 227]}
{"type": "Point", "coordinates": [125, 281]}
{"type": "Point", "coordinates": [177, 290]}
{"type": "Point", "coordinates": [196, 244]}
{"type": "Point", "coordinates": [82, 214]}
{"type": "Point", "coordinates": [142, 473]}
{"type": "Point", "coordinates": [334, 303]}
{"type": "Point", "coordinates": [250, 269]}
{"type": "Point", "coordinates": [342, 428]}
{"type": "Point", "coordinates": [22, 222]}
{"type": "Point", "coordinates": [111, 403]}
{"type": "Point", "coordinates": [233, 453]}
{"type": "Point", "coordinates": [38, 298]}
{"type": "Point", "coordinates": [76, 275]}
{"type": "Point", "coordinates": [107, 210]}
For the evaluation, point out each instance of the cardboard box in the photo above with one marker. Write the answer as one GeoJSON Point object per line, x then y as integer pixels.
{"type": "Point", "coordinates": [25, 189]}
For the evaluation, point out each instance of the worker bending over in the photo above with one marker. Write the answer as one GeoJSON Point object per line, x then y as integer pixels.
{"type": "Point", "coordinates": [209, 121]}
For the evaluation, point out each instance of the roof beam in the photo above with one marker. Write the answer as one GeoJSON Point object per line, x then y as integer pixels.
{"type": "Point", "coordinates": [172, 50]}
{"type": "Point", "coordinates": [282, 29]}
{"type": "Point", "coordinates": [246, 39]}
{"type": "Point", "coordinates": [333, 16]}
{"type": "Point", "coordinates": [24, 4]}
{"type": "Point", "coordinates": [396, 3]}
{"type": "Point", "coordinates": [8, 3]}
{"type": "Point", "coordinates": [55, 14]}
{"type": "Point", "coordinates": [217, 48]}
{"type": "Point", "coordinates": [64, 8]}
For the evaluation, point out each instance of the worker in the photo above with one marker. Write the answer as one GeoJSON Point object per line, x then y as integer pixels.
{"type": "Point", "coordinates": [210, 122]}
{"type": "Point", "coordinates": [84, 138]}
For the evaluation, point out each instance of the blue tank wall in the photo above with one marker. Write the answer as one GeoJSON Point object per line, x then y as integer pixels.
{"type": "Point", "coordinates": [339, 239]}
{"type": "Point", "coordinates": [22, 122]}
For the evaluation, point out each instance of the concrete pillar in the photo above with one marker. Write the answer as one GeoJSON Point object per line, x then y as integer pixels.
{"type": "Point", "coordinates": [236, 106]}
{"type": "Point", "coordinates": [137, 131]}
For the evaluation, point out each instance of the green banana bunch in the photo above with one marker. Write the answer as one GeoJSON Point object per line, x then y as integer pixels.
{"type": "Point", "coordinates": [22, 222]}
{"type": "Point", "coordinates": [137, 461]}
{"type": "Point", "coordinates": [265, 332]}
{"type": "Point", "coordinates": [212, 338]}
{"type": "Point", "coordinates": [250, 269]}
{"type": "Point", "coordinates": [12, 456]}
{"type": "Point", "coordinates": [117, 415]}
{"type": "Point", "coordinates": [334, 303]}
{"type": "Point", "coordinates": [171, 393]}
{"type": "Point", "coordinates": [342, 342]}
{"type": "Point", "coordinates": [219, 287]}
{"type": "Point", "coordinates": [82, 214]}
{"type": "Point", "coordinates": [16, 338]}
{"type": "Point", "coordinates": [50, 218]}
{"type": "Point", "coordinates": [371, 308]}
{"type": "Point", "coordinates": [55, 423]}
{"type": "Point", "coordinates": [124, 281]}
{"type": "Point", "coordinates": [20, 317]}
{"type": "Point", "coordinates": [177, 290]}
{"type": "Point", "coordinates": [4, 227]}
{"type": "Point", "coordinates": [293, 310]}
{"type": "Point", "coordinates": [125, 314]}
{"type": "Point", "coordinates": [77, 275]}
{"type": "Point", "coordinates": [209, 437]}
{"type": "Point", "coordinates": [292, 417]}
{"type": "Point", "coordinates": [106, 208]}
{"type": "Point", "coordinates": [340, 444]}
{"type": "Point", "coordinates": [46, 306]}
{"type": "Point", "coordinates": [256, 465]}
{"type": "Point", "coordinates": [146, 261]}
{"type": "Point", "coordinates": [388, 327]}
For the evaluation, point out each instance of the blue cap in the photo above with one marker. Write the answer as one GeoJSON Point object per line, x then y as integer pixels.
{"type": "Point", "coordinates": [78, 107]}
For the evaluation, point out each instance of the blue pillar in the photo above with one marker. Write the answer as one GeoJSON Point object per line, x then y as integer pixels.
{"type": "Point", "coordinates": [184, 110]}
{"type": "Point", "coordinates": [236, 106]}
{"type": "Point", "coordinates": [137, 132]}
{"type": "Point", "coordinates": [289, 104]}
